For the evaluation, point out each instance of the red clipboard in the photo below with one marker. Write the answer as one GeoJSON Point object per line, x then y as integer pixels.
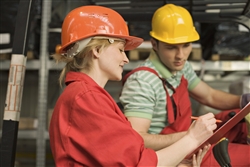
{"type": "Point", "coordinates": [219, 133]}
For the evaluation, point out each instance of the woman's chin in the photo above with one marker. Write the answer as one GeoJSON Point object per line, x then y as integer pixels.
{"type": "Point", "coordinates": [116, 78]}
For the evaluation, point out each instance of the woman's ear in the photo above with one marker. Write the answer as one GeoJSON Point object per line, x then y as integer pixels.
{"type": "Point", "coordinates": [96, 52]}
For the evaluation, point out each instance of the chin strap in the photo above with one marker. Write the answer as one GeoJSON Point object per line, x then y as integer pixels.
{"type": "Point", "coordinates": [80, 45]}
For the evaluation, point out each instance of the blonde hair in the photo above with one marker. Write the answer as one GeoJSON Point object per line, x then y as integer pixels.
{"type": "Point", "coordinates": [81, 61]}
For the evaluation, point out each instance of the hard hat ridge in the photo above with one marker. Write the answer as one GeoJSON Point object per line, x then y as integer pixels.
{"type": "Point", "coordinates": [89, 21]}
{"type": "Point", "coordinates": [173, 24]}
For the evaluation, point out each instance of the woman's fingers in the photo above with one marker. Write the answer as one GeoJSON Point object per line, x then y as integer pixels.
{"type": "Point", "coordinates": [200, 155]}
{"type": "Point", "coordinates": [195, 163]}
{"type": "Point", "coordinates": [203, 127]}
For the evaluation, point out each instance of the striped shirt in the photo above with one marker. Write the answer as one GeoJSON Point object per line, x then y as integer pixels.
{"type": "Point", "coordinates": [143, 94]}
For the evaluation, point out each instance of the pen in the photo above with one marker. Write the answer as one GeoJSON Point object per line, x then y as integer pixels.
{"type": "Point", "coordinates": [195, 118]}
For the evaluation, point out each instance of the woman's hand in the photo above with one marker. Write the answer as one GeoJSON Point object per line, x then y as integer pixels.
{"type": "Point", "coordinates": [196, 160]}
{"type": "Point", "coordinates": [202, 128]}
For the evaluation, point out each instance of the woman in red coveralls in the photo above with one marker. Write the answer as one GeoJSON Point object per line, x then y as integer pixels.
{"type": "Point", "coordinates": [87, 127]}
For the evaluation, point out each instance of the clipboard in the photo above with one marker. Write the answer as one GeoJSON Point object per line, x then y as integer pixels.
{"type": "Point", "coordinates": [219, 133]}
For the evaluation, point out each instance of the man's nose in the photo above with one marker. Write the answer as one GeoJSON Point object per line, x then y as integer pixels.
{"type": "Point", "coordinates": [180, 53]}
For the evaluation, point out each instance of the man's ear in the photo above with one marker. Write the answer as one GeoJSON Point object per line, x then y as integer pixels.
{"type": "Point", "coordinates": [154, 43]}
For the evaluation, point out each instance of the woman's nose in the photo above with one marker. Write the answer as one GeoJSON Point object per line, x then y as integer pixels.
{"type": "Point", "coordinates": [126, 60]}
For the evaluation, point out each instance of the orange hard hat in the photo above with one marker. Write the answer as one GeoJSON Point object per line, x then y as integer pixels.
{"type": "Point", "coordinates": [89, 21]}
{"type": "Point", "coordinates": [173, 24]}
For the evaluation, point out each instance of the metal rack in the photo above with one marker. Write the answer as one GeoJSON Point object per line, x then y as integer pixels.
{"type": "Point", "coordinates": [225, 65]}
{"type": "Point", "coordinates": [30, 134]}
{"type": "Point", "coordinates": [209, 65]}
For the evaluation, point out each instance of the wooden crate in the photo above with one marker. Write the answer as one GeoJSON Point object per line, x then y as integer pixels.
{"type": "Point", "coordinates": [217, 57]}
{"type": "Point", "coordinates": [196, 54]}
{"type": "Point", "coordinates": [26, 123]}
{"type": "Point", "coordinates": [30, 55]}
{"type": "Point", "coordinates": [139, 54]}
{"type": "Point", "coordinates": [5, 56]}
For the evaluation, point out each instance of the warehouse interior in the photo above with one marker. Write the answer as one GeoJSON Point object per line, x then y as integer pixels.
{"type": "Point", "coordinates": [221, 58]}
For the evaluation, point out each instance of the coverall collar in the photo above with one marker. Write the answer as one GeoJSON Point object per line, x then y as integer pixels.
{"type": "Point", "coordinates": [72, 76]}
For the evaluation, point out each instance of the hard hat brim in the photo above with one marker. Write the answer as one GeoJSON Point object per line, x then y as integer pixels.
{"type": "Point", "coordinates": [192, 37]}
{"type": "Point", "coordinates": [132, 42]}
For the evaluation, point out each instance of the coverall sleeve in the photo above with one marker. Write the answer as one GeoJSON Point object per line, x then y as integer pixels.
{"type": "Point", "coordinates": [100, 135]}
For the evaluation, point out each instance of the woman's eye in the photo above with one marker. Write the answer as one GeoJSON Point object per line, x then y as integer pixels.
{"type": "Point", "coordinates": [121, 50]}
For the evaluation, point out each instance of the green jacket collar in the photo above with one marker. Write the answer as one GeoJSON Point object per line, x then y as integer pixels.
{"type": "Point", "coordinates": [161, 68]}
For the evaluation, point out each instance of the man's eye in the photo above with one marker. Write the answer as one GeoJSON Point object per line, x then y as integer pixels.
{"type": "Point", "coordinates": [169, 47]}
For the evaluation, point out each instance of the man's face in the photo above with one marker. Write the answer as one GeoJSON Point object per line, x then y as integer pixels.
{"type": "Point", "coordinates": [173, 56]}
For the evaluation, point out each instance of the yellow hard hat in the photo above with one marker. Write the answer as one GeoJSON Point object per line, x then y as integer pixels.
{"type": "Point", "coordinates": [173, 24]}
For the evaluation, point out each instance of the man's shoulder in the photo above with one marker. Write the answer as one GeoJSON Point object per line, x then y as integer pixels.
{"type": "Point", "coordinates": [146, 73]}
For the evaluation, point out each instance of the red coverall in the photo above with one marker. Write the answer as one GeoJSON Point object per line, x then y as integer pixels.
{"type": "Point", "coordinates": [179, 120]}
{"type": "Point", "coordinates": [88, 129]}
